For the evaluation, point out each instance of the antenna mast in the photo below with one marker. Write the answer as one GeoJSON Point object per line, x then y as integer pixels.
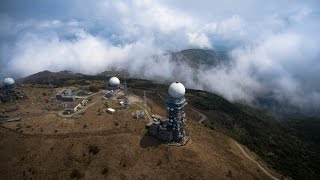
{"type": "Point", "coordinates": [144, 99]}
{"type": "Point", "coordinates": [126, 100]}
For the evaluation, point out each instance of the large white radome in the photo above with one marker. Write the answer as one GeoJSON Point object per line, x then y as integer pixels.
{"type": "Point", "coordinates": [8, 81]}
{"type": "Point", "coordinates": [114, 81]}
{"type": "Point", "coordinates": [176, 90]}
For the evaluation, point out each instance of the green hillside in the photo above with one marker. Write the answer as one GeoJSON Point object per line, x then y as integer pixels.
{"type": "Point", "coordinates": [198, 57]}
{"type": "Point", "coordinates": [278, 144]}
{"type": "Point", "coordinates": [291, 150]}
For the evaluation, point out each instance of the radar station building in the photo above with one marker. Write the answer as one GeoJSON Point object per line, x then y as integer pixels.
{"type": "Point", "coordinates": [65, 95]}
{"type": "Point", "coordinates": [172, 129]}
{"type": "Point", "coordinates": [8, 90]}
{"type": "Point", "coordinates": [112, 86]}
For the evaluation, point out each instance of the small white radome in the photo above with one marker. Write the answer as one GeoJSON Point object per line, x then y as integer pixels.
{"type": "Point", "coordinates": [176, 90]}
{"type": "Point", "coordinates": [114, 81]}
{"type": "Point", "coordinates": [8, 81]}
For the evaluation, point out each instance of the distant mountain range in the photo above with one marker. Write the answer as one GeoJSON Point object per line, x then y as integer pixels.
{"type": "Point", "coordinates": [194, 58]}
{"type": "Point", "coordinates": [199, 57]}
{"type": "Point", "coordinates": [46, 76]}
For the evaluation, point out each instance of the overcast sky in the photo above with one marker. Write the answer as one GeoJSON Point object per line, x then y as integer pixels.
{"type": "Point", "coordinates": [274, 44]}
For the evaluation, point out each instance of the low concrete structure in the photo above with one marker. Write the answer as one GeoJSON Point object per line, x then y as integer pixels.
{"type": "Point", "coordinates": [157, 118]}
{"type": "Point", "coordinates": [68, 98]}
{"type": "Point", "coordinates": [139, 114]}
{"type": "Point", "coordinates": [111, 110]}
{"type": "Point", "coordinates": [84, 102]}
{"type": "Point", "coordinates": [65, 95]}
{"type": "Point", "coordinates": [59, 97]}
{"type": "Point", "coordinates": [110, 94]}
{"type": "Point", "coordinates": [72, 107]}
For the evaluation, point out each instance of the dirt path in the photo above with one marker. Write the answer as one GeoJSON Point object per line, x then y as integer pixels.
{"type": "Point", "coordinates": [261, 167]}
{"type": "Point", "coordinates": [203, 117]}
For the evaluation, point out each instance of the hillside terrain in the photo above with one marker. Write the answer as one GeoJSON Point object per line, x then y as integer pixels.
{"type": "Point", "coordinates": [291, 146]}
{"type": "Point", "coordinates": [47, 76]}
{"type": "Point", "coordinates": [200, 57]}
{"type": "Point", "coordinates": [98, 145]}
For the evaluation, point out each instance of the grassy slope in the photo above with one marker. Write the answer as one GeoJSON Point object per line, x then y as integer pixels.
{"type": "Point", "coordinates": [281, 146]}
{"type": "Point", "coordinates": [288, 147]}
{"type": "Point", "coordinates": [272, 140]}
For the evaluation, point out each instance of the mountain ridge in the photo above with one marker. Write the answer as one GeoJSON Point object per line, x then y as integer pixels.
{"type": "Point", "coordinates": [273, 140]}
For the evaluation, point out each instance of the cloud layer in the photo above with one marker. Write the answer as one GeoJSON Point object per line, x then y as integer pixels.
{"type": "Point", "coordinates": [273, 44]}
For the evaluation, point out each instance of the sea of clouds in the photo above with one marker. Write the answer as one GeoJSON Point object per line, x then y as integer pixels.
{"type": "Point", "coordinates": [273, 44]}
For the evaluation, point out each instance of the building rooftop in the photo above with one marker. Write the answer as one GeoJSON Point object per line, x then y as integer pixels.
{"type": "Point", "coordinates": [73, 104]}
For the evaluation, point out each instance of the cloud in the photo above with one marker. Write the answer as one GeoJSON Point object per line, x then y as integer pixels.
{"type": "Point", "coordinates": [273, 45]}
{"type": "Point", "coordinates": [199, 40]}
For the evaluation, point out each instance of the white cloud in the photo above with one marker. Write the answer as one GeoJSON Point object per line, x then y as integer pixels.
{"type": "Point", "coordinates": [199, 40]}
{"type": "Point", "coordinates": [274, 44]}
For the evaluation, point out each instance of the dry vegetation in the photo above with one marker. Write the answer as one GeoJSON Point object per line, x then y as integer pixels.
{"type": "Point", "coordinates": [98, 145]}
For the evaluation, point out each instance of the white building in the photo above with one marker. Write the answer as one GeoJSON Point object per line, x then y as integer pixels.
{"type": "Point", "coordinates": [72, 107]}
{"type": "Point", "coordinates": [111, 110]}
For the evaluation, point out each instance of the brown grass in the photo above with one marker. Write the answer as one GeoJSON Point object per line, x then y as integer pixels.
{"type": "Point", "coordinates": [98, 145]}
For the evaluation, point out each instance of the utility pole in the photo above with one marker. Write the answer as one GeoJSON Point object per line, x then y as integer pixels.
{"type": "Point", "coordinates": [126, 100]}
{"type": "Point", "coordinates": [144, 99]}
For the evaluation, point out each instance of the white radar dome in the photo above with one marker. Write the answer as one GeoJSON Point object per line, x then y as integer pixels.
{"type": "Point", "coordinates": [8, 81]}
{"type": "Point", "coordinates": [114, 81]}
{"type": "Point", "coordinates": [176, 90]}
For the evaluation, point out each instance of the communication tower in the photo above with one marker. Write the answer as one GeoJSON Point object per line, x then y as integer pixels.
{"type": "Point", "coordinates": [172, 129]}
{"type": "Point", "coordinates": [8, 89]}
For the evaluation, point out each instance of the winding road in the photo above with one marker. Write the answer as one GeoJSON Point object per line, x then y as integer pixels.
{"type": "Point", "coordinates": [202, 116]}
{"type": "Point", "coordinates": [261, 167]}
